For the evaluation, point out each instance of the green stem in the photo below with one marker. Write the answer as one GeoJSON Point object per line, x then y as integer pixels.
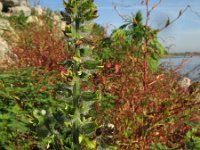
{"type": "Point", "coordinates": [76, 92]}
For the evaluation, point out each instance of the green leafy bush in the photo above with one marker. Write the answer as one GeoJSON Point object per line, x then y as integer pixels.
{"type": "Point", "coordinates": [23, 91]}
{"type": "Point", "coordinates": [19, 21]}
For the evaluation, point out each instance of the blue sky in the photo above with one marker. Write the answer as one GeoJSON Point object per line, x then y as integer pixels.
{"type": "Point", "coordinates": [182, 36]}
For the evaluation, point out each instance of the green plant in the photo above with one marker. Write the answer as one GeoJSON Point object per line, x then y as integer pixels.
{"type": "Point", "coordinates": [19, 21]}
{"type": "Point", "coordinates": [192, 139]}
{"type": "Point", "coordinates": [130, 37]}
{"type": "Point", "coordinates": [22, 92]}
{"type": "Point", "coordinates": [77, 13]}
{"type": "Point", "coordinates": [148, 100]}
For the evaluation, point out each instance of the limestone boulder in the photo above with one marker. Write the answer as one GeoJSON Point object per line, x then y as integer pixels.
{"type": "Point", "coordinates": [18, 9]}
{"type": "Point", "coordinates": [12, 3]}
{"type": "Point", "coordinates": [6, 27]}
{"type": "Point", "coordinates": [4, 52]}
{"type": "Point", "coordinates": [4, 48]}
{"type": "Point", "coordinates": [7, 58]}
{"type": "Point", "coordinates": [184, 82]}
{"type": "Point", "coordinates": [7, 4]}
{"type": "Point", "coordinates": [35, 19]}
{"type": "Point", "coordinates": [1, 7]}
{"type": "Point", "coordinates": [38, 10]}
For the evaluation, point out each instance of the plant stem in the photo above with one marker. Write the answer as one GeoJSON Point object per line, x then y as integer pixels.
{"type": "Point", "coordinates": [76, 90]}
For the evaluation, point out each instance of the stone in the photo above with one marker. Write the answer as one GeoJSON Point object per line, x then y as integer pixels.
{"type": "Point", "coordinates": [32, 19]}
{"type": "Point", "coordinates": [184, 82]}
{"type": "Point", "coordinates": [6, 27]}
{"type": "Point", "coordinates": [7, 4]}
{"type": "Point", "coordinates": [35, 19]}
{"type": "Point", "coordinates": [18, 9]}
{"type": "Point", "coordinates": [38, 10]}
{"type": "Point", "coordinates": [6, 56]}
{"type": "Point", "coordinates": [1, 7]}
{"type": "Point", "coordinates": [12, 3]}
{"type": "Point", "coordinates": [4, 51]}
{"type": "Point", "coordinates": [6, 14]}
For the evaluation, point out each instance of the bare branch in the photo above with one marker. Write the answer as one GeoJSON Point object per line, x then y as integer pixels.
{"type": "Point", "coordinates": [119, 14]}
{"type": "Point", "coordinates": [181, 12]}
{"type": "Point", "coordinates": [155, 5]}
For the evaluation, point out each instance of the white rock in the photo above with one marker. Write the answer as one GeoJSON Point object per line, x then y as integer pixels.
{"type": "Point", "coordinates": [35, 19]}
{"type": "Point", "coordinates": [6, 27]}
{"type": "Point", "coordinates": [1, 7]}
{"type": "Point", "coordinates": [38, 10]}
{"type": "Point", "coordinates": [23, 3]}
{"type": "Point", "coordinates": [32, 19]}
{"type": "Point", "coordinates": [6, 55]}
{"type": "Point", "coordinates": [185, 82]}
{"type": "Point", "coordinates": [6, 14]}
{"type": "Point", "coordinates": [18, 9]}
{"type": "Point", "coordinates": [4, 50]}
{"type": "Point", "coordinates": [11, 3]}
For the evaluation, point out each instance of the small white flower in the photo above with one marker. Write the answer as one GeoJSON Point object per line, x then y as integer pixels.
{"type": "Point", "coordinates": [43, 112]}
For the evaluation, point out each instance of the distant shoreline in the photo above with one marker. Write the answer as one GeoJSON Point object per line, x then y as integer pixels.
{"type": "Point", "coordinates": [185, 54]}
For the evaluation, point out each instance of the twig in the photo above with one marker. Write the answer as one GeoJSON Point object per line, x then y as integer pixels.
{"type": "Point", "coordinates": [119, 14]}
{"type": "Point", "coordinates": [181, 12]}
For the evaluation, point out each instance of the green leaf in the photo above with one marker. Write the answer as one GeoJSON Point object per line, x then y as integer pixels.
{"type": "Point", "coordinates": [88, 143]}
{"type": "Point", "coordinates": [88, 96]}
{"type": "Point", "coordinates": [86, 51]}
{"type": "Point", "coordinates": [139, 119]}
{"type": "Point", "coordinates": [152, 63]}
{"type": "Point", "coordinates": [86, 106]}
{"type": "Point", "coordinates": [91, 64]}
{"type": "Point", "coordinates": [88, 128]}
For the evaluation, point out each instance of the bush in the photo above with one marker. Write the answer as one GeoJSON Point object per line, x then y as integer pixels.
{"type": "Point", "coordinates": [162, 114]}
{"type": "Point", "coordinates": [22, 93]}
{"type": "Point", "coordinates": [41, 46]}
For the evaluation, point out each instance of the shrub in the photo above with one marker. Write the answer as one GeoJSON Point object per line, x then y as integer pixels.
{"type": "Point", "coordinates": [162, 114]}
{"type": "Point", "coordinates": [41, 46]}
{"type": "Point", "coordinates": [23, 92]}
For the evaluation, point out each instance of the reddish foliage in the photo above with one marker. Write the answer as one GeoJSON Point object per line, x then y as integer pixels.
{"type": "Point", "coordinates": [154, 115]}
{"type": "Point", "coordinates": [41, 47]}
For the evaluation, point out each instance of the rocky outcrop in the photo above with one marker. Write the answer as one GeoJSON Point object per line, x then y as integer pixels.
{"type": "Point", "coordinates": [12, 3]}
{"type": "Point", "coordinates": [9, 38]}
{"type": "Point", "coordinates": [35, 19]}
{"type": "Point", "coordinates": [6, 27]}
{"type": "Point", "coordinates": [1, 7]}
{"type": "Point", "coordinates": [4, 53]}
{"type": "Point", "coordinates": [7, 4]}
{"type": "Point", "coordinates": [37, 10]}
{"type": "Point", "coordinates": [18, 9]}
{"type": "Point", "coordinates": [4, 48]}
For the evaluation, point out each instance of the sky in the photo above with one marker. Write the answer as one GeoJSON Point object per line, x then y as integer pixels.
{"type": "Point", "coordinates": [181, 36]}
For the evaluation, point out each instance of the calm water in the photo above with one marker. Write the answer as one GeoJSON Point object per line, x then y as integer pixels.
{"type": "Point", "coordinates": [189, 66]}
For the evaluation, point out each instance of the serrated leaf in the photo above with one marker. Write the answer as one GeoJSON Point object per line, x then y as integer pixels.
{"type": "Point", "coordinates": [86, 106]}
